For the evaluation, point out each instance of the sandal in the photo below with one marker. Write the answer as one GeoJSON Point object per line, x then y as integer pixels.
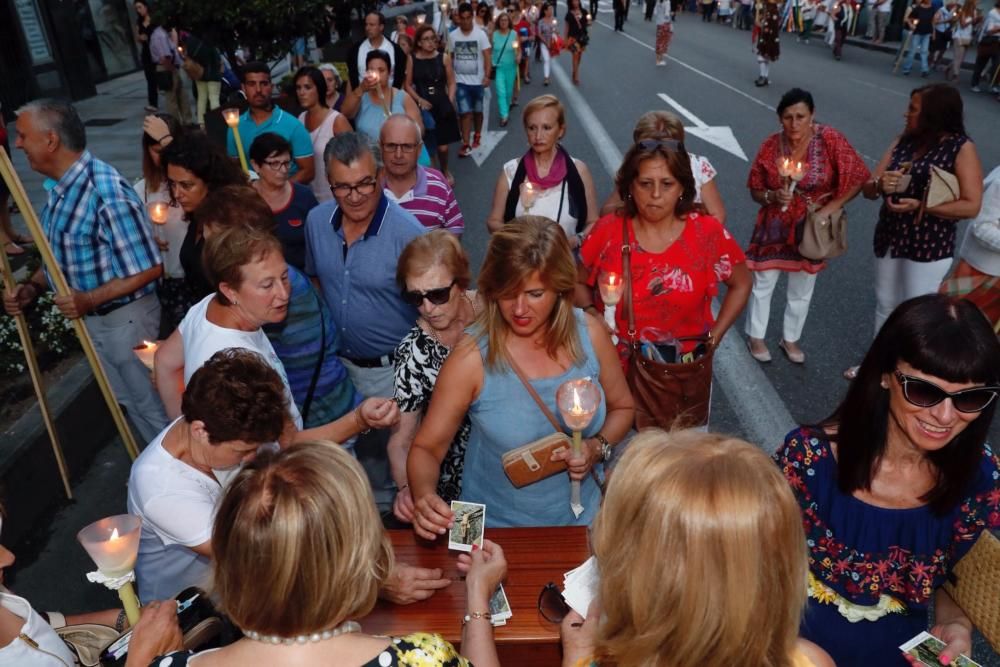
{"type": "Point", "coordinates": [21, 239]}
{"type": "Point", "coordinates": [465, 151]}
{"type": "Point", "coordinates": [503, 122]}
{"type": "Point", "coordinates": [12, 249]}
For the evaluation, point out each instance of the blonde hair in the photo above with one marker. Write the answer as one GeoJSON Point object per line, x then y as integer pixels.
{"type": "Point", "coordinates": [526, 244]}
{"type": "Point", "coordinates": [657, 125]}
{"type": "Point", "coordinates": [544, 102]}
{"type": "Point", "coordinates": [298, 546]}
{"type": "Point", "coordinates": [699, 533]}
{"type": "Point", "coordinates": [430, 249]}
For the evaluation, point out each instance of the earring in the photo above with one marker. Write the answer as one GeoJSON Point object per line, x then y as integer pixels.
{"type": "Point", "coordinates": [885, 385]}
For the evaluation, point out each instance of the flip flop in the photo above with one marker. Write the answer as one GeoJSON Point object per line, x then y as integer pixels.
{"type": "Point", "coordinates": [12, 249]}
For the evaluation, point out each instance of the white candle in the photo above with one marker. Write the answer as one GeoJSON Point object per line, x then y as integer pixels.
{"type": "Point", "coordinates": [232, 117]}
{"type": "Point", "coordinates": [146, 353]}
{"type": "Point", "coordinates": [528, 194]}
{"type": "Point", "coordinates": [611, 287]}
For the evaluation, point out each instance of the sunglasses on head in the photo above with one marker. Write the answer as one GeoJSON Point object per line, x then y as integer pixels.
{"type": "Point", "coordinates": [436, 296]}
{"type": "Point", "coordinates": [925, 394]}
{"type": "Point", "coordinates": [653, 144]}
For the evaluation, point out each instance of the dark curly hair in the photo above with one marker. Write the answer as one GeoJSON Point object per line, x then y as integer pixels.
{"type": "Point", "coordinates": [195, 152]}
{"type": "Point", "coordinates": [238, 396]}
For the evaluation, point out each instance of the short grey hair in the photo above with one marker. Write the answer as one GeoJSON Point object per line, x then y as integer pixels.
{"type": "Point", "coordinates": [350, 147]}
{"type": "Point", "coordinates": [59, 116]}
{"type": "Point", "coordinates": [406, 119]}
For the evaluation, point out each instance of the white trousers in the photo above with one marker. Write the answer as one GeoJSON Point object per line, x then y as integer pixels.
{"type": "Point", "coordinates": [897, 280]}
{"type": "Point", "coordinates": [799, 294]}
{"type": "Point", "coordinates": [546, 60]}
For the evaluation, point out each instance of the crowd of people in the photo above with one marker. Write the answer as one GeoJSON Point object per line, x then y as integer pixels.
{"type": "Point", "coordinates": [327, 365]}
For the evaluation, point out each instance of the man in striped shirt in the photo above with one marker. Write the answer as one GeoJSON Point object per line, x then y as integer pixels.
{"type": "Point", "coordinates": [100, 236]}
{"type": "Point", "coordinates": [422, 191]}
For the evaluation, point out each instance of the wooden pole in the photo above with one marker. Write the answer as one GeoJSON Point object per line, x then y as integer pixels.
{"type": "Point", "coordinates": [36, 379]}
{"type": "Point", "coordinates": [62, 289]}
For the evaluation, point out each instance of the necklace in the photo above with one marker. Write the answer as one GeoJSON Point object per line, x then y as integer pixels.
{"type": "Point", "coordinates": [344, 628]}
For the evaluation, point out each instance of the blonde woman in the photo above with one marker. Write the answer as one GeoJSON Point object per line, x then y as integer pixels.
{"type": "Point", "coordinates": [526, 284]}
{"type": "Point", "coordinates": [300, 557]}
{"type": "Point", "coordinates": [723, 577]}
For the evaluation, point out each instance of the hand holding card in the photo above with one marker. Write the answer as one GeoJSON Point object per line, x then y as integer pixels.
{"type": "Point", "coordinates": [431, 516]}
{"type": "Point", "coordinates": [925, 650]}
{"type": "Point", "coordinates": [468, 525]}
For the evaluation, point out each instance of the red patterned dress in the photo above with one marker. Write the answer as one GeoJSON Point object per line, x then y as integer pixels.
{"type": "Point", "coordinates": [832, 168]}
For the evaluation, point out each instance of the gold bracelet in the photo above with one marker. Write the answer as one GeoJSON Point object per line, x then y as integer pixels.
{"type": "Point", "coordinates": [471, 616]}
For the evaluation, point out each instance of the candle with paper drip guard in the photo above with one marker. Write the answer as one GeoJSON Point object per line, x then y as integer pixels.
{"type": "Point", "coordinates": [578, 401]}
{"type": "Point", "coordinates": [792, 172]}
{"type": "Point", "coordinates": [232, 117]}
{"type": "Point", "coordinates": [146, 352]}
{"type": "Point", "coordinates": [158, 211]}
{"type": "Point", "coordinates": [611, 287]}
{"type": "Point", "coordinates": [113, 544]}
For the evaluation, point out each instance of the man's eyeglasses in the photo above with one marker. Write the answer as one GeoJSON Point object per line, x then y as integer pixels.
{"type": "Point", "coordinates": [392, 148]}
{"type": "Point", "coordinates": [437, 296]}
{"type": "Point", "coordinates": [653, 144]}
{"type": "Point", "coordinates": [278, 165]}
{"type": "Point", "coordinates": [551, 604]}
{"type": "Point", "coordinates": [364, 188]}
{"type": "Point", "coordinates": [924, 394]}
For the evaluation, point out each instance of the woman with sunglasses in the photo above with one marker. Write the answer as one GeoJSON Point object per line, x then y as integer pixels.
{"type": "Point", "coordinates": [679, 254]}
{"type": "Point", "coordinates": [271, 157]}
{"type": "Point", "coordinates": [529, 338]}
{"type": "Point", "coordinates": [723, 579]}
{"type": "Point", "coordinates": [830, 173]}
{"type": "Point", "coordinates": [433, 274]}
{"type": "Point", "coordinates": [897, 484]}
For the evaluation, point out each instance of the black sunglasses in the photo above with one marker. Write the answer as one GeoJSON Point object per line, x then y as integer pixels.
{"type": "Point", "coordinates": [653, 144]}
{"type": "Point", "coordinates": [925, 394]}
{"type": "Point", "coordinates": [436, 296]}
{"type": "Point", "coordinates": [551, 604]}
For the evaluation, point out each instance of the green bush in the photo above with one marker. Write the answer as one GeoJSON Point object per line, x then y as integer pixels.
{"type": "Point", "coordinates": [51, 333]}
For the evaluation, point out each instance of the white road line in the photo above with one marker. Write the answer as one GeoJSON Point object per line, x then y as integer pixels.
{"type": "Point", "coordinates": [694, 69]}
{"type": "Point", "coordinates": [763, 415]}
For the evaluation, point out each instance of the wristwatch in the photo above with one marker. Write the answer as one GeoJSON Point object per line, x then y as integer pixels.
{"type": "Point", "coordinates": [605, 446]}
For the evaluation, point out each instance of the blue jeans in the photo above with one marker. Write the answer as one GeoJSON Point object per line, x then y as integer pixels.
{"type": "Point", "coordinates": [917, 43]}
{"type": "Point", "coordinates": [469, 98]}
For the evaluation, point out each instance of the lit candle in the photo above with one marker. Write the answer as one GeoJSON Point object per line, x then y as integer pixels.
{"type": "Point", "coordinates": [232, 117]}
{"type": "Point", "coordinates": [578, 401]}
{"type": "Point", "coordinates": [113, 544]}
{"type": "Point", "coordinates": [372, 76]}
{"type": "Point", "coordinates": [611, 287]}
{"type": "Point", "coordinates": [146, 352]}
{"type": "Point", "coordinates": [528, 194]}
{"type": "Point", "coordinates": [158, 214]}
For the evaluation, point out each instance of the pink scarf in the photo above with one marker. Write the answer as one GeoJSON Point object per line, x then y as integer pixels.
{"type": "Point", "coordinates": [556, 175]}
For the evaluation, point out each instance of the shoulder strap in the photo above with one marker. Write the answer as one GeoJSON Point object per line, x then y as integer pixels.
{"type": "Point", "coordinates": [306, 404]}
{"type": "Point", "coordinates": [514, 191]}
{"type": "Point", "coordinates": [627, 270]}
{"type": "Point", "coordinates": [534, 394]}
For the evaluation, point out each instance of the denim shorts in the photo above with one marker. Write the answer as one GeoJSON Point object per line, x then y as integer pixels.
{"type": "Point", "coordinates": [469, 98]}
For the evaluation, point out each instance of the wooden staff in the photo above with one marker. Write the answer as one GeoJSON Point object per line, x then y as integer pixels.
{"type": "Point", "coordinates": [36, 380]}
{"type": "Point", "coordinates": [62, 289]}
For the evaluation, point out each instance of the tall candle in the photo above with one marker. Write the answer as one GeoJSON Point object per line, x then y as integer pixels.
{"type": "Point", "coordinates": [232, 117]}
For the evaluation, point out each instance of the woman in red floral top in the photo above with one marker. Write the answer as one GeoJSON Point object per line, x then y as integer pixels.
{"type": "Point", "coordinates": [679, 254]}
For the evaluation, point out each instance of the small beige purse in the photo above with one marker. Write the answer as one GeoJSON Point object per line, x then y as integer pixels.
{"type": "Point", "coordinates": [942, 188]}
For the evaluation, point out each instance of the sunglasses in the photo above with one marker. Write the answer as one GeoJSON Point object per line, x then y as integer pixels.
{"type": "Point", "coordinates": [437, 296]}
{"type": "Point", "coordinates": [925, 394]}
{"type": "Point", "coordinates": [551, 604]}
{"type": "Point", "coordinates": [653, 144]}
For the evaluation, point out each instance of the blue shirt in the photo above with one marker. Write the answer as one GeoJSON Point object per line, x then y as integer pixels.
{"type": "Point", "coordinates": [282, 124]}
{"type": "Point", "coordinates": [359, 281]}
{"type": "Point", "coordinates": [97, 227]}
{"type": "Point", "coordinates": [291, 230]}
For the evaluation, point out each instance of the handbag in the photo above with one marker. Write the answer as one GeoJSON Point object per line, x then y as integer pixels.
{"type": "Point", "coordinates": [974, 584]}
{"type": "Point", "coordinates": [942, 187]}
{"type": "Point", "coordinates": [86, 641]}
{"type": "Point", "coordinates": [666, 395]}
{"type": "Point", "coordinates": [531, 463]}
{"type": "Point", "coordinates": [823, 236]}
{"type": "Point", "coordinates": [493, 70]}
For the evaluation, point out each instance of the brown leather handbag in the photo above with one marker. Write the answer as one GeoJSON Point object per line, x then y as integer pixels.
{"type": "Point", "coordinates": [666, 395]}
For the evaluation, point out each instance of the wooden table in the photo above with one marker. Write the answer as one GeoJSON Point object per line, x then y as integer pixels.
{"type": "Point", "coordinates": [535, 556]}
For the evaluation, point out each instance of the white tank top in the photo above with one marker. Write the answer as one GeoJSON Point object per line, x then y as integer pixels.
{"type": "Point", "coordinates": [320, 138]}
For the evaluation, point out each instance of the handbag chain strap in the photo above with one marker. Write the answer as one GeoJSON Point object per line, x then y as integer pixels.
{"type": "Point", "coordinates": [534, 394]}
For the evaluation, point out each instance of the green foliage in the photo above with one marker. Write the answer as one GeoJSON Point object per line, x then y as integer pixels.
{"type": "Point", "coordinates": [266, 27]}
{"type": "Point", "coordinates": [51, 333]}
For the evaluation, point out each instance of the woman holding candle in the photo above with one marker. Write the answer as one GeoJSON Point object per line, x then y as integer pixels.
{"type": "Point", "coordinates": [830, 174]}
{"type": "Point", "coordinates": [194, 166]}
{"type": "Point", "coordinates": [374, 100]}
{"type": "Point", "coordinates": [914, 244]}
{"type": "Point", "coordinates": [530, 329]}
{"type": "Point", "coordinates": [290, 202]}
{"type": "Point", "coordinates": [301, 556]}
{"type": "Point", "coordinates": [433, 274]}
{"type": "Point", "coordinates": [665, 125]}
{"type": "Point", "coordinates": [715, 512]}
{"type": "Point", "coordinates": [546, 181]}
{"type": "Point", "coordinates": [898, 483]}
{"type": "Point", "coordinates": [322, 122]}
{"type": "Point", "coordinates": [506, 59]}
{"type": "Point", "coordinates": [169, 225]}
{"type": "Point", "coordinates": [678, 258]}
{"type": "Point", "coordinates": [431, 83]}
{"type": "Point", "coordinates": [547, 34]}
{"type": "Point", "coordinates": [577, 35]}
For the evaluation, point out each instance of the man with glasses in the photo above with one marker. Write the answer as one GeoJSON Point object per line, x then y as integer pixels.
{"type": "Point", "coordinates": [263, 116]}
{"type": "Point", "coordinates": [353, 244]}
{"type": "Point", "coordinates": [104, 245]}
{"type": "Point", "coordinates": [422, 191]}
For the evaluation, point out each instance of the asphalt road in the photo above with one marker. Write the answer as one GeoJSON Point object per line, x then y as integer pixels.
{"type": "Point", "coordinates": [710, 74]}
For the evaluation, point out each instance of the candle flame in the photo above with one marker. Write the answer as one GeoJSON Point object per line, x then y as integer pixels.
{"type": "Point", "coordinates": [114, 535]}
{"type": "Point", "coordinates": [147, 343]}
{"type": "Point", "coordinates": [577, 409]}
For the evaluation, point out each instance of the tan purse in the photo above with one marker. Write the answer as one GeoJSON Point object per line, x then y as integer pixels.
{"type": "Point", "coordinates": [974, 584]}
{"type": "Point", "coordinates": [823, 237]}
{"type": "Point", "coordinates": [942, 188]}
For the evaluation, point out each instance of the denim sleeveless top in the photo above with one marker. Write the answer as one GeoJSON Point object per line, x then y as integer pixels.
{"type": "Point", "coordinates": [504, 417]}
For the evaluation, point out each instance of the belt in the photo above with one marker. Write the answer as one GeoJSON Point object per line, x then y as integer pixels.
{"type": "Point", "coordinates": [109, 308]}
{"type": "Point", "coordinates": [374, 362]}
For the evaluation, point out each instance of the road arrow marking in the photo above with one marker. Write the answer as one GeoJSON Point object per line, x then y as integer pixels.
{"type": "Point", "coordinates": [721, 136]}
{"type": "Point", "coordinates": [489, 139]}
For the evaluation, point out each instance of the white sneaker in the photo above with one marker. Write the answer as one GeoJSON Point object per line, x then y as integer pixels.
{"type": "Point", "coordinates": [662, 63]}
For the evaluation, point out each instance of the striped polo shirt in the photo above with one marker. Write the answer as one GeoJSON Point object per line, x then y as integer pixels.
{"type": "Point", "coordinates": [431, 201]}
